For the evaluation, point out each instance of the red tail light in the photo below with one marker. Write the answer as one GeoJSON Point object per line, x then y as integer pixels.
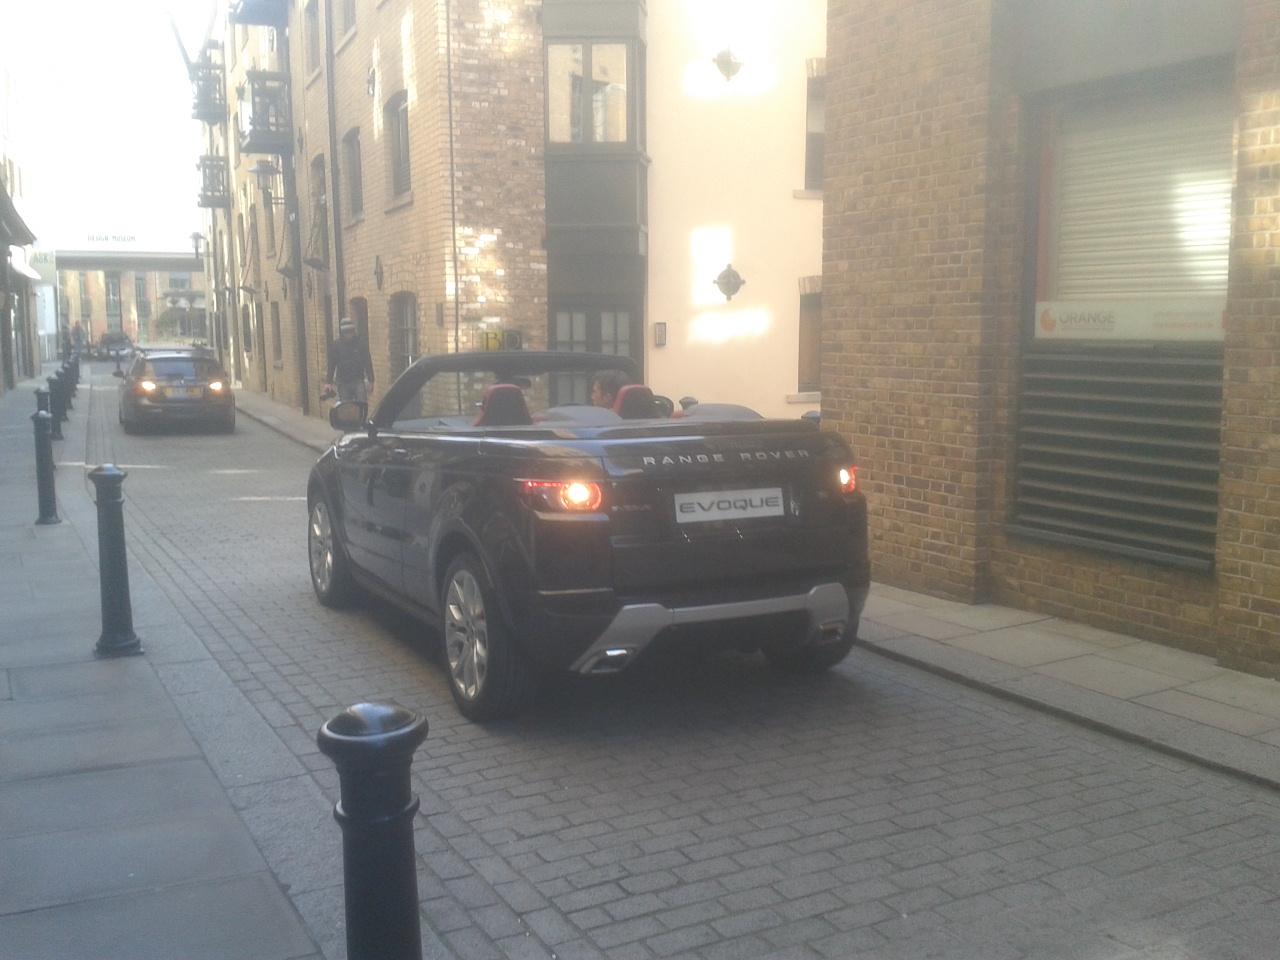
{"type": "Point", "coordinates": [575, 496]}
{"type": "Point", "coordinates": [847, 477]}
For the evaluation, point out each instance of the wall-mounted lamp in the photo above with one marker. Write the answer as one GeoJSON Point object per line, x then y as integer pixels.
{"type": "Point", "coordinates": [729, 282]}
{"type": "Point", "coordinates": [377, 271]}
{"type": "Point", "coordinates": [265, 173]}
{"type": "Point", "coordinates": [197, 239]}
{"type": "Point", "coordinates": [660, 334]}
{"type": "Point", "coordinates": [727, 63]}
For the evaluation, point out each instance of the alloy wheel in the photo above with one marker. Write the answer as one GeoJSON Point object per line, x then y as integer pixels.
{"type": "Point", "coordinates": [466, 634]}
{"type": "Point", "coordinates": [320, 542]}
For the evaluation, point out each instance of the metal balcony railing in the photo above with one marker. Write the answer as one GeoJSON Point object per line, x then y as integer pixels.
{"type": "Point", "coordinates": [214, 190]}
{"type": "Point", "coordinates": [262, 13]}
{"type": "Point", "coordinates": [264, 118]}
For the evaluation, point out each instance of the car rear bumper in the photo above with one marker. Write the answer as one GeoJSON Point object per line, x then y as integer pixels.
{"type": "Point", "coordinates": [827, 607]}
{"type": "Point", "coordinates": [595, 631]}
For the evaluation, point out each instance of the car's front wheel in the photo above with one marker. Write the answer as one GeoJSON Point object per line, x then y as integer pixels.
{"type": "Point", "coordinates": [489, 676]}
{"type": "Point", "coordinates": [330, 569]}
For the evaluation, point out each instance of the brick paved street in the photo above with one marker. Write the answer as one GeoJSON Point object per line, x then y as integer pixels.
{"type": "Point", "coordinates": [696, 807]}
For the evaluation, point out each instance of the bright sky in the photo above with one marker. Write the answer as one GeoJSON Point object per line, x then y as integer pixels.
{"type": "Point", "coordinates": [103, 129]}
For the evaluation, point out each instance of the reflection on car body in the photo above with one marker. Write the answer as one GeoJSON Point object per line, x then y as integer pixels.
{"type": "Point", "coordinates": [549, 535]}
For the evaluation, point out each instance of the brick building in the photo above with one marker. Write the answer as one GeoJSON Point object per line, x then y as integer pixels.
{"type": "Point", "coordinates": [1052, 305]}
{"type": "Point", "coordinates": [365, 153]}
{"type": "Point", "coordinates": [339, 186]}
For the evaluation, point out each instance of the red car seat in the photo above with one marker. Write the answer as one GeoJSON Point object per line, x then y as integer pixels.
{"type": "Point", "coordinates": [503, 406]}
{"type": "Point", "coordinates": [635, 402]}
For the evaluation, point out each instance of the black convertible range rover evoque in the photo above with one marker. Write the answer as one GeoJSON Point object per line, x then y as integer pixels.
{"type": "Point", "coordinates": [541, 533]}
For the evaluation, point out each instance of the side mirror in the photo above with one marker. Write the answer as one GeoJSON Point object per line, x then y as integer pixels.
{"type": "Point", "coordinates": [118, 373]}
{"type": "Point", "coordinates": [348, 415]}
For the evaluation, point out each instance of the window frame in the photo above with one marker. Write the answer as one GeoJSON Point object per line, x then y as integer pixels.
{"type": "Point", "coordinates": [396, 117]}
{"type": "Point", "coordinates": [583, 110]}
{"type": "Point", "coordinates": [352, 165]}
{"type": "Point", "coordinates": [311, 42]}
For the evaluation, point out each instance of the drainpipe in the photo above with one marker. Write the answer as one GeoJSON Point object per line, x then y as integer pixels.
{"type": "Point", "coordinates": [291, 212]}
{"type": "Point", "coordinates": [335, 192]}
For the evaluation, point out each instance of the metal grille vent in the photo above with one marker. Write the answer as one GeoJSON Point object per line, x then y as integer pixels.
{"type": "Point", "coordinates": [1121, 452]}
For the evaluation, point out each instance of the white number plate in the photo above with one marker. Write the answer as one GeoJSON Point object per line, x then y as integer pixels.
{"type": "Point", "coordinates": [729, 505]}
{"type": "Point", "coordinates": [182, 393]}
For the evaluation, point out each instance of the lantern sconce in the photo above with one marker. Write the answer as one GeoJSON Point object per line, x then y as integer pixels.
{"type": "Point", "coordinates": [660, 334]}
{"type": "Point", "coordinates": [377, 271]}
{"type": "Point", "coordinates": [727, 64]}
{"type": "Point", "coordinates": [729, 282]}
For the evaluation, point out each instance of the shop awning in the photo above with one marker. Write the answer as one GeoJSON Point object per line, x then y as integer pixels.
{"type": "Point", "coordinates": [13, 230]}
{"type": "Point", "coordinates": [18, 264]}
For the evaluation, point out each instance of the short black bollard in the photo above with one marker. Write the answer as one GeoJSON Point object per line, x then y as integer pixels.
{"type": "Point", "coordinates": [42, 400]}
{"type": "Point", "coordinates": [372, 746]}
{"type": "Point", "coordinates": [56, 411]}
{"type": "Point", "coordinates": [64, 384]}
{"type": "Point", "coordinates": [118, 638]}
{"type": "Point", "coordinates": [45, 491]}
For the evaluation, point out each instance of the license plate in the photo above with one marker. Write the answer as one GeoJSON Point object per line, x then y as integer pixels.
{"type": "Point", "coordinates": [729, 505]}
{"type": "Point", "coordinates": [182, 393]}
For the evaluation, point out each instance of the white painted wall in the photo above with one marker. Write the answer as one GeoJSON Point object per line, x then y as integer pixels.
{"type": "Point", "coordinates": [728, 158]}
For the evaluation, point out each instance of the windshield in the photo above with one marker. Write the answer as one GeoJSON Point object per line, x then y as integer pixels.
{"type": "Point", "coordinates": [181, 368]}
{"type": "Point", "coordinates": [451, 400]}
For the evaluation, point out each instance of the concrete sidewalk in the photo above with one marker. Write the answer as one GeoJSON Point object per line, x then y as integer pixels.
{"type": "Point", "coordinates": [117, 837]}
{"type": "Point", "coordinates": [1177, 702]}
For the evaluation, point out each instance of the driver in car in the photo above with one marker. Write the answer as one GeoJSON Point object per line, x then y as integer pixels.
{"type": "Point", "coordinates": [605, 386]}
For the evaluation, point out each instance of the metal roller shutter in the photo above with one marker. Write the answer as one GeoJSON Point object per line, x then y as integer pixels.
{"type": "Point", "coordinates": [1118, 443]}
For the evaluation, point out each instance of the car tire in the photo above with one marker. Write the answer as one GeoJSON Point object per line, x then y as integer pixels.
{"type": "Point", "coordinates": [489, 675]}
{"type": "Point", "coordinates": [807, 657]}
{"type": "Point", "coordinates": [228, 423]}
{"type": "Point", "coordinates": [327, 560]}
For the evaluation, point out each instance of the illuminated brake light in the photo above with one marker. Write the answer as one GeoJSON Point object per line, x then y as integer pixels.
{"type": "Point", "coordinates": [848, 478]}
{"type": "Point", "coordinates": [577, 496]}
{"type": "Point", "coordinates": [216, 386]}
{"type": "Point", "coordinates": [144, 387]}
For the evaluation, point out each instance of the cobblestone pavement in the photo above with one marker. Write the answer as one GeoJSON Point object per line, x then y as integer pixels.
{"type": "Point", "coordinates": [696, 807]}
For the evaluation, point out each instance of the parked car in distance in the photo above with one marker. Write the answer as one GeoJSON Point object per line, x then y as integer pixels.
{"type": "Point", "coordinates": [176, 385]}
{"type": "Point", "coordinates": [114, 346]}
{"type": "Point", "coordinates": [542, 535]}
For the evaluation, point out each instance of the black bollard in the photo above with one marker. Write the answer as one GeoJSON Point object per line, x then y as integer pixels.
{"type": "Point", "coordinates": [45, 491]}
{"type": "Point", "coordinates": [56, 411]}
{"type": "Point", "coordinates": [42, 400]}
{"type": "Point", "coordinates": [372, 746]}
{"type": "Point", "coordinates": [64, 384]}
{"type": "Point", "coordinates": [118, 638]}
{"type": "Point", "coordinates": [69, 376]}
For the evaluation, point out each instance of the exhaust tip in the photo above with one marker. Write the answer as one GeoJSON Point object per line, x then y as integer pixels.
{"type": "Point", "coordinates": [612, 660]}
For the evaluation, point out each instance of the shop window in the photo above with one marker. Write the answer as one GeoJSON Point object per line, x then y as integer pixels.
{"type": "Point", "coordinates": [810, 342]}
{"type": "Point", "coordinates": [140, 298]}
{"type": "Point", "coordinates": [397, 121]}
{"type": "Point", "coordinates": [113, 299]}
{"type": "Point", "coordinates": [1120, 394]}
{"type": "Point", "coordinates": [592, 330]}
{"type": "Point", "coordinates": [355, 177]}
{"type": "Point", "coordinates": [180, 281]}
{"type": "Point", "coordinates": [587, 93]}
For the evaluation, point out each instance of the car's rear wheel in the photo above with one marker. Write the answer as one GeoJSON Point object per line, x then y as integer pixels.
{"type": "Point", "coordinates": [228, 422]}
{"type": "Point", "coordinates": [330, 569]}
{"type": "Point", "coordinates": [489, 676]}
{"type": "Point", "coordinates": [807, 657]}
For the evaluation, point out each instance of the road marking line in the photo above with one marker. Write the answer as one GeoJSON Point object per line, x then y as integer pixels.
{"type": "Point", "coordinates": [265, 499]}
{"type": "Point", "coordinates": [235, 472]}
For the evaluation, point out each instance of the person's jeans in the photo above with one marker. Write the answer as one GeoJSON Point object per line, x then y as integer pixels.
{"type": "Point", "coordinates": [352, 390]}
